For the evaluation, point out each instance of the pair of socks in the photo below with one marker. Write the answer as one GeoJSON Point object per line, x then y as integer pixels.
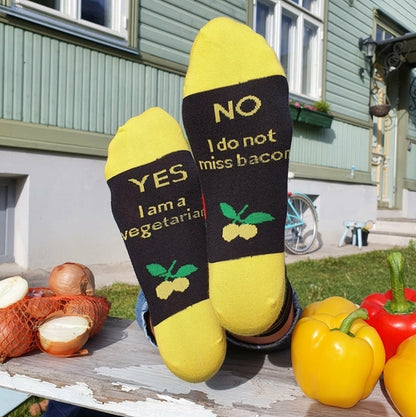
{"type": "Point", "coordinates": [205, 230]}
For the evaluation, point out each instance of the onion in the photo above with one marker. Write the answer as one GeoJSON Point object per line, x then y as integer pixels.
{"type": "Point", "coordinates": [38, 308]}
{"type": "Point", "coordinates": [16, 334]}
{"type": "Point", "coordinates": [12, 289]}
{"type": "Point", "coordinates": [72, 279]}
{"type": "Point", "coordinates": [96, 308]}
{"type": "Point", "coordinates": [62, 335]}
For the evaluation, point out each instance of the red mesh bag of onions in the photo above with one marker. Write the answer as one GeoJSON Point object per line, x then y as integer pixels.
{"type": "Point", "coordinates": [20, 321]}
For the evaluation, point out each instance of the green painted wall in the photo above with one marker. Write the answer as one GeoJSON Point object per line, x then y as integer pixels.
{"type": "Point", "coordinates": [51, 82]}
{"type": "Point", "coordinates": [47, 80]}
{"type": "Point", "coordinates": [167, 28]}
{"type": "Point", "coordinates": [345, 90]}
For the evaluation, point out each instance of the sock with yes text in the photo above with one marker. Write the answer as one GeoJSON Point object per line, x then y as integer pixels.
{"type": "Point", "coordinates": [236, 116]}
{"type": "Point", "coordinates": [156, 202]}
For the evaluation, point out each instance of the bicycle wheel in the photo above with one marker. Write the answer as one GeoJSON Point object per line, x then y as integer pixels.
{"type": "Point", "coordinates": [301, 228]}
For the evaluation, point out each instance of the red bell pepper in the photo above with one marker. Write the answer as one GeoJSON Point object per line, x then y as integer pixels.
{"type": "Point", "coordinates": [393, 314]}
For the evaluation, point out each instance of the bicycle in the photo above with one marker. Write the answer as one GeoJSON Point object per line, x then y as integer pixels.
{"type": "Point", "coordinates": [301, 228]}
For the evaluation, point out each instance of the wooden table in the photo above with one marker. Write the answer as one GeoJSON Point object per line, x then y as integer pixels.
{"type": "Point", "coordinates": [124, 375]}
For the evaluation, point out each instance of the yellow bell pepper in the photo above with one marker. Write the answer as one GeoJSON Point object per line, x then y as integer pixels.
{"type": "Point", "coordinates": [337, 359]}
{"type": "Point", "coordinates": [331, 305]}
{"type": "Point", "coordinates": [400, 377]}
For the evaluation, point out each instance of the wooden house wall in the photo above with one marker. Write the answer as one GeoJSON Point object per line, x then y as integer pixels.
{"type": "Point", "coordinates": [167, 28]}
{"type": "Point", "coordinates": [347, 143]}
{"type": "Point", "coordinates": [52, 82]}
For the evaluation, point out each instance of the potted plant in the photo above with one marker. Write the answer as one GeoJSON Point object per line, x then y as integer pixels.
{"type": "Point", "coordinates": [294, 107]}
{"type": "Point", "coordinates": [317, 114]}
{"type": "Point", "coordinates": [321, 106]}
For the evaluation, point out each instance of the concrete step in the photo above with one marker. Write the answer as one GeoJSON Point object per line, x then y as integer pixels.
{"type": "Point", "coordinates": [393, 230]}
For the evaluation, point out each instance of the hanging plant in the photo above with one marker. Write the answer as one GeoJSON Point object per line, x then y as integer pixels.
{"type": "Point", "coordinates": [383, 106]}
{"type": "Point", "coordinates": [380, 110]}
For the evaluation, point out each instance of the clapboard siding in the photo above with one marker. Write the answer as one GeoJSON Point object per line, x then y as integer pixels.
{"type": "Point", "coordinates": [345, 90]}
{"type": "Point", "coordinates": [402, 11]}
{"type": "Point", "coordinates": [50, 82]}
{"type": "Point", "coordinates": [167, 28]}
{"type": "Point", "coordinates": [320, 147]}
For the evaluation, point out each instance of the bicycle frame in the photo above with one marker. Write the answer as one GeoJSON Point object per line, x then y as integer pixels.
{"type": "Point", "coordinates": [295, 220]}
{"type": "Point", "coordinates": [301, 223]}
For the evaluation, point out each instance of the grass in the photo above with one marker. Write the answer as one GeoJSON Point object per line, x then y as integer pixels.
{"type": "Point", "coordinates": [122, 298]}
{"type": "Point", "coordinates": [352, 277]}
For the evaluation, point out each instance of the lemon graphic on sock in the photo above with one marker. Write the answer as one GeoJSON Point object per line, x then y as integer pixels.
{"type": "Point", "coordinates": [244, 227]}
{"type": "Point", "coordinates": [172, 282]}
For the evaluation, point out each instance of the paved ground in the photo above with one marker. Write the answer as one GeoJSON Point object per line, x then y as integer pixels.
{"type": "Point", "coordinates": [107, 274]}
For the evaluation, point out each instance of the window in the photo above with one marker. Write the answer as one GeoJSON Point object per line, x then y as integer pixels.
{"type": "Point", "coordinates": [382, 34]}
{"type": "Point", "coordinates": [7, 192]}
{"type": "Point", "coordinates": [101, 20]}
{"type": "Point", "coordinates": [386, 28]}
{"type": "Point", "coordinates": [294, 29]}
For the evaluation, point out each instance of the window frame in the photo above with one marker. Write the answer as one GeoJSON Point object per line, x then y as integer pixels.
{"type": "Point", "coordinates": [68, 22]}
{"type": "Point", "coordinates": [302, 18]}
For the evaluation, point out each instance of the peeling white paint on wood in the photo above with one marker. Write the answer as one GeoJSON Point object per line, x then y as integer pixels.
{"type": "Point", "coordinates": [251, 392]}
{"type": "Point", "coordinates": [124, 375]}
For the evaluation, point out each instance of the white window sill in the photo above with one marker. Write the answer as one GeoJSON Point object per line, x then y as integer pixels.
{"type": "Point", "coordinates": [103, 37]}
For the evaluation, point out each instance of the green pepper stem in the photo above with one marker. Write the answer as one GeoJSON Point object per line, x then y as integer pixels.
{"type": "Point", "coordinates": [398, 304]}
{"type": "Point", "coordinates": [360, 313]}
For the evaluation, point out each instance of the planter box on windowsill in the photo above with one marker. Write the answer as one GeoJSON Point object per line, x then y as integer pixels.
{"type": "Point", "coordinates": [315, 118]}
{"type": "Point", "coordinates": [294, 112]}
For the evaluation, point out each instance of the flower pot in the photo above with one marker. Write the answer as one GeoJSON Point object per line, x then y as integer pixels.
{"type": "Point", "coordinates": [380, 110]}
{"type": "Point", "coordinates": [294, 112]}
{"type": "Point", "coordinates": [315, 118]}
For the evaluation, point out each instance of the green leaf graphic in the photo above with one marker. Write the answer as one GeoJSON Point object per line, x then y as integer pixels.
{"type": "Point", "coordinates": [257, 218]}
{"type": "Point", "coordinates": [185, 270]}
{"type": "Point", "coordinates": [156, 270]}
{"type": "Point", "coordinates": [228, 211]}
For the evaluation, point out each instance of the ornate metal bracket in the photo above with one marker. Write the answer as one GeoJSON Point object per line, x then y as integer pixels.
{"type": "Point", "coordinates": [395, 55]}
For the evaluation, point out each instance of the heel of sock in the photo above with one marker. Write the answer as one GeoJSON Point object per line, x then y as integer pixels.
{"type": "Point", "coordinates": [248, 293]}
{"type": "Point", "coordinates": [202, 347]}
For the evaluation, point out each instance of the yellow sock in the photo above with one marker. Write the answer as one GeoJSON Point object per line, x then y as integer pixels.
{"type": "Point", "coordinates": [236, 116]}
{"type": "Point", "coordinates": [156, 202]}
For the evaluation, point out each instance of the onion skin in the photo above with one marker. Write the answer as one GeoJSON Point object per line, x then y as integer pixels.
{"type": "Point", "coordinates": [96, 308]}
{"type": "Point", "coordinates": [60, 347]}
{"type": "Point", "coordinates": [38, 308]}
{"type": "Point", "coordinates": [17, 336]}
{"type": "Point", "coordinates": [72, 278]}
